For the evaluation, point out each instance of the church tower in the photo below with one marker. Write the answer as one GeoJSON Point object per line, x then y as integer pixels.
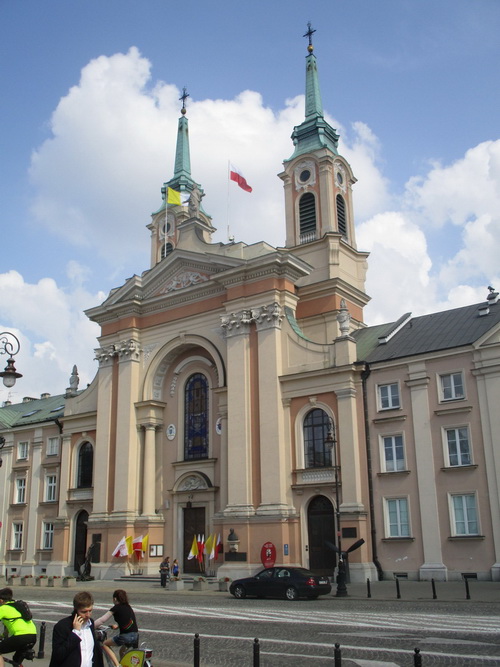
{"type": "Point", "coordinates": [319, 209]}
{"type": "Point", "coordinates": [171, 218]}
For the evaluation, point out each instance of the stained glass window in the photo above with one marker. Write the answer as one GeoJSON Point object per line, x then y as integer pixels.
{"type": "Point", "coordinates": [196, 418]}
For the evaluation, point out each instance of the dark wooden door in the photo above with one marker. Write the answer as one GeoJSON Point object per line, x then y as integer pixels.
{"type": "Point", "coordinates": [321, 528]}
{"type": "Point", "coordinates": [194, 524]}
{"type": "Point", "coordinates": [80, 539]}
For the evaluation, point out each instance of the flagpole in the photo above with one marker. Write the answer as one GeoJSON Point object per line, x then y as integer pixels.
{"type": "Point", "coordinates": [227, 212]}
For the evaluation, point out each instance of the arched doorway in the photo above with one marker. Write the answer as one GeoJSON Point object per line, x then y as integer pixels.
{"type": "Point", "coordinates": [81, 522]}
{"type": "Point", "coordinates": [321, 529]}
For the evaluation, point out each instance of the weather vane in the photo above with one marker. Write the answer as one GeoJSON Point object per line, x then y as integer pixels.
{"type": "Point", "coordinates": [184, 97]}
{"type": "Point", "coordinates": [309, 34]}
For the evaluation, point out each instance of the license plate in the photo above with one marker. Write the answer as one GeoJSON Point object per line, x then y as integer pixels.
{"type": "Point", "coordinates": [322, 581]}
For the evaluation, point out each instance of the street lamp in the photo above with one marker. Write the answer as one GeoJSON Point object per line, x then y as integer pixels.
{"type": "Point", "coordinates": [9, 344]}
{"type": "Point", "coordinates": [331, 443]}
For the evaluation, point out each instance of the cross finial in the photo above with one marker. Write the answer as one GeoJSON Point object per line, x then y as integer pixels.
{"type": "Point", "coordinates": [184, 97]}
{"type": "Point", "coordinates": [310, 32]}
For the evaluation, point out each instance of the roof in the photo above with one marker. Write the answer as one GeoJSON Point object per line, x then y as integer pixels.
{"type": "Point", "coordinates": [32, 411]}
{"type": "Point", "coordinates": [429, 333]}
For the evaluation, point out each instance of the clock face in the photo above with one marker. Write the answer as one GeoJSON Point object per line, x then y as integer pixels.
{"type": "Point", "coordinates": [305, 175]}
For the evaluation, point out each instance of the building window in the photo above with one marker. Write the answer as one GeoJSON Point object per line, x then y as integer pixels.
{"type": "Point", "coordinates": [17, 535]}
{"type": "Point", "coordinates": [196, 423]}
{"type": "Point", "coordinates": [307, 217]}
{"type": "Point", "coordinates": [53, 446]}
{"type": "Point", "coordinates": [459, 453]}
{"type": "Point", "coordinates": [341, 216]}
{"type": "Point", "coordinates": [48, 536]}
{"type": "Point", "coordinates": [85, 466]}
{"type": "Point", "coordinates": [50, 488]}
{"type": "Point", "coordinates": [464, 514]}
{"type": "Point", "coordinates": [452, 386]}
{"type": "Point", "coordinates": [394, 454]}
{"type": "Point", "coordinates": [316, 426]}
{"type": "Point", "coordinates": [22, 451]}
{"type": "Point", "coordinates": [396, 517]}
{"type": "Point", "coordinates": [388, 396]}
{"type": "Point", "coordinates": [166, 249]}
{"type": "Point", "coordinates": [21, 490]}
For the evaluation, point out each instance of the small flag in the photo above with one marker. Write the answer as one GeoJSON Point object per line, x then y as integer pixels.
{"type": "Point", "coordinates": [137, 544]}
{"type": "Point", "coordinates": [218, 548]}
{"type": "Point", "coordinates": [121, 549]}
{"type": "Point", "coordinates": [194, 549]}
{"type": "Point", "coordinates": [209, 546]}
{"type": "Point", "coordinates": [145, 542]}
{"type": "Point", "coordinates": [130, 547]}
{"type": "Point", "coordinates": [236, 176]}
{"type": "Point", "coordinates": [201, 547]}
{"type": "Point", "coordinates": [177, 198]}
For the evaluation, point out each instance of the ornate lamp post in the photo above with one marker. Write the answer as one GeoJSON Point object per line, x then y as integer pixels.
{"type": "Point", "coordinates": [331, 443]}
{"type": "Point", "coordinates": [9, 344]}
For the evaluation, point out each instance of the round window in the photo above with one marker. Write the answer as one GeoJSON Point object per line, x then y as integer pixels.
{"type": "Point", "coordinates": [340, 178]}
{"type": "Point", "coordinates": [305, 175]}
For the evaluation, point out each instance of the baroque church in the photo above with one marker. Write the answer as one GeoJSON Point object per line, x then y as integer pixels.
{"type": "Point", "coordinates": [240, 393]}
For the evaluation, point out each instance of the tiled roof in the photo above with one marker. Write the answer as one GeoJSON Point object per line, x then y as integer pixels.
{"type": "Point", "coordinates": [428, 333]}
{"type": "Point", "coordinates": [32, 412]}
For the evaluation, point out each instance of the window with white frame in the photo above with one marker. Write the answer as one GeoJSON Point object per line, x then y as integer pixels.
{"type": "Point", "coordinates": [48, 535]}
{"type": "Point", "coordinates": [464, 513]}
{"type": "Point", "coordinates": [396, 517]}
{"type": "Point", "coordinates": [53, 446]}
{"type": "Point", "coordinates": [17, 535]}
{"type": "Point", "coordinates": [50, 488]}
{"type": "Point", "coordinates": [388, 396]}
{"type": "Point", "coordinates": [458, 446]}
{"type": "Point", "coordinates": [20, 490]}
{"type": "Point", "coordinates": [394, 454]}
{"type": "Point", "coordinates": [22, 451]}
{"type": "Point", "coordinates": [452, 386]}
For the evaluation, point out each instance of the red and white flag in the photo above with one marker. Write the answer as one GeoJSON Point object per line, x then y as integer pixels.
{"type": "Point", "coordinates": [236, 176]}
{"type": "Point", "coordinates": [218, 547]}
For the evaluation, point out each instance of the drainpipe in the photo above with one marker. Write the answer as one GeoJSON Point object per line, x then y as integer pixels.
{"type": "Point", "coordinates": [59, 425]}
{"type": "Point", "coordinates": [364, 377]}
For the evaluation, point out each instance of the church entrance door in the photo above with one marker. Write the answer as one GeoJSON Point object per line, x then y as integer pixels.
{"type": "Point", "coordinates": [194, 524]}
{"type": "Point", "coordinates": [80, 539]}
{"type": "Point", "coordinates": [321, 529]}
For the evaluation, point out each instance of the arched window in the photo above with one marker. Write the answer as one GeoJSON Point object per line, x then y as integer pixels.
{"type": "Point", "coordinates": [196, 418]}
{"type": "Point", "coordinates": [307, 217]}
{"type": "Point", "coordinates": [166, 249]}
{"type": "Point", "coordinates": [316, 426]}
{"type": "Point", "coordinates": [85, 466]}
{"type": "Point", "coordinates": [341, 216]}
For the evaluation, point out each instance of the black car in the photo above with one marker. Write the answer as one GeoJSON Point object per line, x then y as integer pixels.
{"type": "Point", "coordinates": [282, 581]}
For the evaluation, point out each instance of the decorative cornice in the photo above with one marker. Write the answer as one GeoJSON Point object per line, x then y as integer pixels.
{"type": "Point", "coordinates": [267, 317]}
{"type": "Point", "coordinates": [123, 349]}
{"type": "Point", "coordinates": [236, 323]}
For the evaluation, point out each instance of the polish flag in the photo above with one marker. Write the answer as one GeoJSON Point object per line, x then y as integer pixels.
{"type": "Point", "coordinates": [236, 176]}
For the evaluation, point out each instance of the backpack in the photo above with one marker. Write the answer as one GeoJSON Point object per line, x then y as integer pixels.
{"type": "Point", "coordinates": [23, 608]}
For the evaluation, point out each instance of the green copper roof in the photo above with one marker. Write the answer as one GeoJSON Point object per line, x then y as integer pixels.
{"type": "Point", "coordinates": [33, 411]}
{"type": "Point", "coordinates": [314, 133]}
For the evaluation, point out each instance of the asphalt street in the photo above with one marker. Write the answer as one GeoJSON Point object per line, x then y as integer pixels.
{"type": "Point", "coordinates": [376, 631]}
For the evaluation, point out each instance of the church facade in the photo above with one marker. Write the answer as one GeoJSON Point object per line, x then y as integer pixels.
{"type": "Point", "coordinates": [240, 393]}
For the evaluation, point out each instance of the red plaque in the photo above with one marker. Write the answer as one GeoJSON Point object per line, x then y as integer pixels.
{"type": "Point", "coordinates": [268, 554]}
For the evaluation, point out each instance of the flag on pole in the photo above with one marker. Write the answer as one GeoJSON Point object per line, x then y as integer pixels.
{"type": "Point", "coordinates": [177, 198]}
{"type": "Point", "coordinates": [201, 547]}
{"type": "Point", "coordinates": [130, 547]}
{"type": "Point", "coordinates": [121, 548]}
{"type": "Point", "coordinates": [145, 543]}
{"type": "Point", "coordinates": [209, 546]}
{"type": "Point", "coordinates": [218, 548]}
{"type": "Point", "coordinates": [137, 545]}
{"type": "Point", "coordinates": [194, 549]}
{"type": "Point", "coordinates": [236, 176]}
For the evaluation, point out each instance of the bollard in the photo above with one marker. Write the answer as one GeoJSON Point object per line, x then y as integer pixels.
{"type": "Point", "coordinates": [337, 656]}
{"type": "Point", "coordinates": [467, 592]}
{"type": "Point", "coordinates": [196, 661]}
{"type": "Point", "coordinates": [398, 592]}
{"type": "Point", "coordinates": [434, 595]}
{"type": "Point", "coordinates": [41, 642]}
{"type": "Point", "coordinates": [417, 658]}
{"type": "Point", "coordinates": [368, 589]}
{"type": "Point", "coordinates": [256, 653]}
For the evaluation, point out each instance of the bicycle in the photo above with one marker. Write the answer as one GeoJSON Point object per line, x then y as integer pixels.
{"type": "Point", "coordinates": [27, 653]}
{"type": "Point", "coordinates": [134, 656]}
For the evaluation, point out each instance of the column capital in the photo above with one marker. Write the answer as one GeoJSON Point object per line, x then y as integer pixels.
{"type": "Point", "coordinates": [236, 324]}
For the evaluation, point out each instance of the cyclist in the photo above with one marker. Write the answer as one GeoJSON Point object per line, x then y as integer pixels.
{"type": "Point", "coordinates": [19, 634]}
{"type": "Point", "coordinates": [125, 621]}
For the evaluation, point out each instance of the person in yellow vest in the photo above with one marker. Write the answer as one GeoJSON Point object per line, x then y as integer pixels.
{"type": "Point", "coordinates": [19, 634]}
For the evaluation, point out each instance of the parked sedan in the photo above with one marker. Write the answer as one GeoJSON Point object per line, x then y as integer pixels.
{"type": "Point", "coordinates": [288, 582]}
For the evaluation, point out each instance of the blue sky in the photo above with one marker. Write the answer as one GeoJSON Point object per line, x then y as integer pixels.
{"type": "Point", "coordinates": [87, 131]}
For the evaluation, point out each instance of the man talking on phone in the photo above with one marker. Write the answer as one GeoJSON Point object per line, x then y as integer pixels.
{"type": "Point", "coordinates": [73, 640]}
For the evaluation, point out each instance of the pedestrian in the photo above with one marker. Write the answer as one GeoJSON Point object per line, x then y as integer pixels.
{"type": "Point", "coordinates": [164, 572]}
{"type": "Point", "coordinates": [126, 623]}
{"type": "Point", "coordinates": [175, 568]}
{"type": "Point", "coordinates": [73, 639]}
{"type": "Point", "coordinates": [20, 634]}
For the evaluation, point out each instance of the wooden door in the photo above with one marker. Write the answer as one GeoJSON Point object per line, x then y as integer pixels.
{"type": "Point", "coordinates": [321, 528]}
{"type": "Point", "coordinates": [194, 524]}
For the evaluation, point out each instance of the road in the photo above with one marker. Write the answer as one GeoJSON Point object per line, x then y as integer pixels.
{"type": "Point", "coordinates": [371, 632]}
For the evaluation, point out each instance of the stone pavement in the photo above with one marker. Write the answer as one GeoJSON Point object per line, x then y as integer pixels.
{"type": "Point", "coordinates": [409, 591]}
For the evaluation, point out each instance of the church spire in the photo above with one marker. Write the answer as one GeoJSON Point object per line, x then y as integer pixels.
{"type": "Point", "coordinates": [182, 168]}
{"type": "Point", "coordinates": [314, 132]}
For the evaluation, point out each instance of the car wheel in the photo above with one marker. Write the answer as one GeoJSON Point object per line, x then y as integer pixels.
{"type": "Point", "coordinates": [239, 592]}
{"type": "Point", "coordinates": [291, 593]}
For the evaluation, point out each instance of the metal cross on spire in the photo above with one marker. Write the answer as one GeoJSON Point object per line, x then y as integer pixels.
{"type": "Point", "coordinates": [184, 97]}
{"type": "Point", "coordinates": [309, 34]}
